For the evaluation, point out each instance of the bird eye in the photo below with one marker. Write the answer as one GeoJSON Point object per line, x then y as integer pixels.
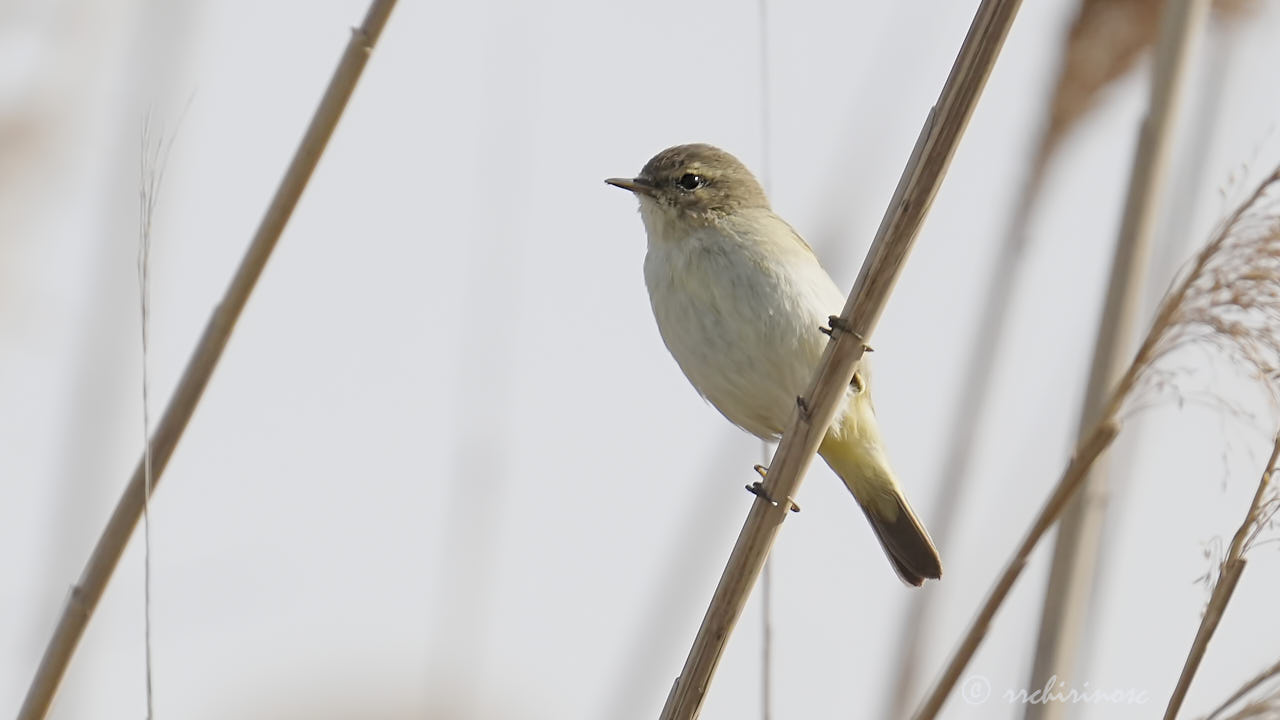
{"type": "Point", "coordinates": [689, 181]}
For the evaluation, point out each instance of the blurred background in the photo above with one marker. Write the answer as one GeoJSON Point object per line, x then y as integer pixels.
{"type": "Point", "coordinates": [447, 469]}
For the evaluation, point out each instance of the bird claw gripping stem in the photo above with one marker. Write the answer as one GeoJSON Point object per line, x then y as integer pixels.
{"type": "Point", "coordinates": [835, 322]}
{"type": "Point", "coordinates": [803, 405]}
{"type": "Point", "coordinates": [757, 488]}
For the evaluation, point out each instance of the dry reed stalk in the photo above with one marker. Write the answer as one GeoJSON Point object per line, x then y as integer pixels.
{"type": "Point", "coordinates": [1104, 42]}
{"type": "Point", "coordinates": [1267, 708]}
{"type": "Point", "coordinates": [1227, 300]}
{"type": "Point", "coordinates": [893, 242]}
{"type": "Point", "coordinates": [1075, 557]}
{"type": "Point", "coordinates": [88, 590]}
{"type": "Point", "coordinates": [1086, 453]}
{"type": "Point", "coordinates": [1261, 510]}
{"type": "Point", "coordinates": [1255, 708]}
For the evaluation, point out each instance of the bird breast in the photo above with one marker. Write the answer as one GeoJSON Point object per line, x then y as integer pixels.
{"type": "Point", "coordinates": [739, 305]}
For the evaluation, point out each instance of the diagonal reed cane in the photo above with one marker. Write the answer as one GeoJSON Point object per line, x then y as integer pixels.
{"type": "Point", "coordinates": [916, 189]}
{"type": "Point", "coordinates": [93, 580]}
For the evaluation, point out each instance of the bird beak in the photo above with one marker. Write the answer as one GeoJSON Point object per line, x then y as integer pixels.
{"type": "Point", "coordinates": [640, 186]}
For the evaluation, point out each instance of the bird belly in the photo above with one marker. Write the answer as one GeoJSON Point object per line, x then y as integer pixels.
{"type": "Point", "coordinates": [745, 330]}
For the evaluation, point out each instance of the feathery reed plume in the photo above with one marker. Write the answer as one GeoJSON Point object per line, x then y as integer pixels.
{"type": "Point", "coordinates": [85, 594]}
{"type": "Point", "coordinates": [1228, 299]}
{"type": "Point", "coordinates": [919, 183]}
{"type": "Point", "coordinates": [1261, 511]}
{"type": "Point", "coordinates": [1105, 40]}
{"type": "Point", "coordinates": [1267, 706]}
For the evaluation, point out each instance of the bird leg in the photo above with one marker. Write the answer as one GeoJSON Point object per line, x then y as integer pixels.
{"type": "Point", "coordinates": [757, 488]}
{"type": "Point", "coordinates": [835, 322]}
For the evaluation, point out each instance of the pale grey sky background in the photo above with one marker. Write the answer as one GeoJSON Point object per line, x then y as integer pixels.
{"type": "Point", "coordinates": [447, 468]}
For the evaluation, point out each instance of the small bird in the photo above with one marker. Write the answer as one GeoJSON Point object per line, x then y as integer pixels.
{"type": "Point", "coordinates": [740, 301]}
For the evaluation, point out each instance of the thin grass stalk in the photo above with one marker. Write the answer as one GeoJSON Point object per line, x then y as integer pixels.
{"type": "Point", "coordinates": [88, 590]}
{"type": "Point", "coordinates": [916, 189]}
{"type": "Point", "coordinates": [1075, 559]}
{"type": "Point", "coordinates": [91, 405]}
{"type": "Point", "coordinates": [766, 174]}
{"type": "Point", "coordinates": [154, 156]}
{"type": "Point", "coordinates": [154, 159]}
{"type": "Point", "coordinates": [1232, 566]}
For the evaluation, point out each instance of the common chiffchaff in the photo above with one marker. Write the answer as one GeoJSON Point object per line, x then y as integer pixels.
{"type": "Point", "coordinates": [740, 300]}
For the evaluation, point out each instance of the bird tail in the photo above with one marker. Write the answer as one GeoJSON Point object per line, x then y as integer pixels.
{"type": "Point", "coordinates": [854, 451]}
